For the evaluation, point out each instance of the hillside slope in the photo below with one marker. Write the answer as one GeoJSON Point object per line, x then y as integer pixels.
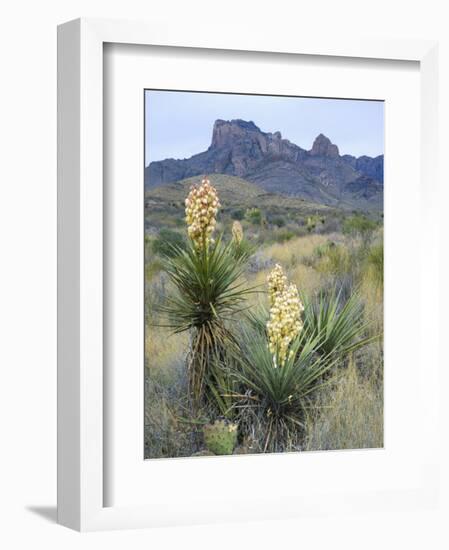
{"type": "Point", "coordinates": [164, 205]}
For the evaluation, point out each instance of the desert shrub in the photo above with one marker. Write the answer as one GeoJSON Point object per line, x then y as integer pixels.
{"type": "Point", "coordinates": [238, 214]}
{"type": "Point", "coordinates": [323, 249]}
{"type": "Point", "coordinates": [348, 414]}
{"type": "Point", "coordinates": [279, 221]}
{"type": "Point", "coordinates": [254, 216]}
{"type": "Point", "coordinates": [168, 242]}
{"type": "Point", "coordinates": [284, 236]}
{"type": "Point", "coordinates": [313, 222]}
{"type": "Point", "coordinates": [358, 225]}
{"type": "Point", "coordinates": [335, 260]}
{"type": "Point", "coordinates": [332, 225]}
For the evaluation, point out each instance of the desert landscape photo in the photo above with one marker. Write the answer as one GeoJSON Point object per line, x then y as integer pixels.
{"type": "Point", "coordinates": [263, 274]}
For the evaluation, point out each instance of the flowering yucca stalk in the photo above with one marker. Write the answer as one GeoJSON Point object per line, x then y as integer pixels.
{"type": "Point", "coordinates": [202, 206]}
{"type": "Point", "coordinates": [237, 232]}
{"type": "Point", "coordinates": [285, 321]}
{"type": "Point", "coordinates": [209, 292]}
{"type": "Point", "coordinates": [277, 283]}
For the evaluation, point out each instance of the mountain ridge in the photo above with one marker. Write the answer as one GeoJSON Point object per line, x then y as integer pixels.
{"type": "Point", "coordinates": [240, 148]}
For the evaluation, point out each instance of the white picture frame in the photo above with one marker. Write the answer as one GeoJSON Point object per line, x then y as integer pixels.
{"type": "Point", "coordinates": [82, 491]}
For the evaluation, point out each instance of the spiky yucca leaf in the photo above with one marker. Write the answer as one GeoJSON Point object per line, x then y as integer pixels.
{"type": "Point", "coordinates": [209, 285]}
{"type": "Point", "coordinates": [340, 323]}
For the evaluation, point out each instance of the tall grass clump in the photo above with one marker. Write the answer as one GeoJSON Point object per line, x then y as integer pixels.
{"type": "Point", "coordinates": [359, 226]}
{"type": "Point", "coordinates": [209, 291]}
{"type": "Point", "coordinates": [334, 260]}
{"type": "Point", "coordinates": [375, 261]}
{"type": "Point", "coordinates": [348, 414]}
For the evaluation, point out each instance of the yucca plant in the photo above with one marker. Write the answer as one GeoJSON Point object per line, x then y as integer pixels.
{"type": "Point", "coordinates": [340, 323]}
{"type": "Point", "coordinates": [278, 367]}
{"type": "Point", "coordinates": [276, 397]}
{"type": "Point", "coordinates": [209, 291]}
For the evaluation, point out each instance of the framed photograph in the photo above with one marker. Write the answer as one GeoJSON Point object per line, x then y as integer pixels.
{"type": "Point", "coordinates": [243, 323]}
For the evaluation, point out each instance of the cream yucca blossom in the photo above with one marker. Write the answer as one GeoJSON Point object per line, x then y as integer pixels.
{"type": "Point", "coordinates": [202, 205]}
{"type": "Point", "coordinates": [285, 321]}
{"type": "Point", "coordinates": [237, 232]}
{"type": "Point", "coordinates": [277, 283]}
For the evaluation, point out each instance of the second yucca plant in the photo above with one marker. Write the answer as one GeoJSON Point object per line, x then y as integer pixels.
{"type": "Point", "coordinates": [209, 291]}
{"type": "Point", "coordinates": [279, 369]}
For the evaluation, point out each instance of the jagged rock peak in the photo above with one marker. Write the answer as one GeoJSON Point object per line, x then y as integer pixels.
{"type": "Point", "coordinates": [225, 132]}
{"type": "Point", "coordinates": [323, 147]}
{"type": "Point", "coordinates": [243, 124]}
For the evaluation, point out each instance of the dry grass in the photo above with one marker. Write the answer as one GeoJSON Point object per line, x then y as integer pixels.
{"type": "Point", "coordinates": [163, 349]}
{"type": "Point", "coordinates": [350, 414]}
{"type": "Point", "coordinates": [292, 255]}
{"type": "Point", "coordinates": [165, 395]}
{"type": "Point", "coordinates": [306, 278]}
{"type": "Point", "coordinates": [295, 249]}
{"type": "Point", "coordinates": [371, 285]}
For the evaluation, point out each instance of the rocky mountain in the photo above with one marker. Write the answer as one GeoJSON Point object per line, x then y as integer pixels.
{"type": "Point", "coordinates": [322, 175]}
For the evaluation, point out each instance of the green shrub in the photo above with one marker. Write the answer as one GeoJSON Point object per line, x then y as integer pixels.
{"type": "Point", "coordinates": [238, 214]}
{"type": "Point", "coordinates": [310, 224]}
{"type": "Point", "coordinates": [313, 221]}
{"type": "Point", "coordinates": [323, 249]}
{"type": "Point", "coordinates": [278, 220]}
{"type": "Point", "coordinates": [284, 236]}
{"type": "Point", "coordinates": [358, 225]}
{"type": "Point", "coordinates": [335, 260]}
{"type": "Point", "coordinates": [168, 242]}
{"type": "Point", "coordinates": [254, 216]}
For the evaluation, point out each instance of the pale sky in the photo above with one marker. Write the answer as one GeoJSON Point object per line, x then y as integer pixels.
{"type": "Point", "coordinates": [179, 124]}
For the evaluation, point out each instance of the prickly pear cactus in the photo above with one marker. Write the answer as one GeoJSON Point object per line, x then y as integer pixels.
{"type": "Point", "coordinates": [220, 436]}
